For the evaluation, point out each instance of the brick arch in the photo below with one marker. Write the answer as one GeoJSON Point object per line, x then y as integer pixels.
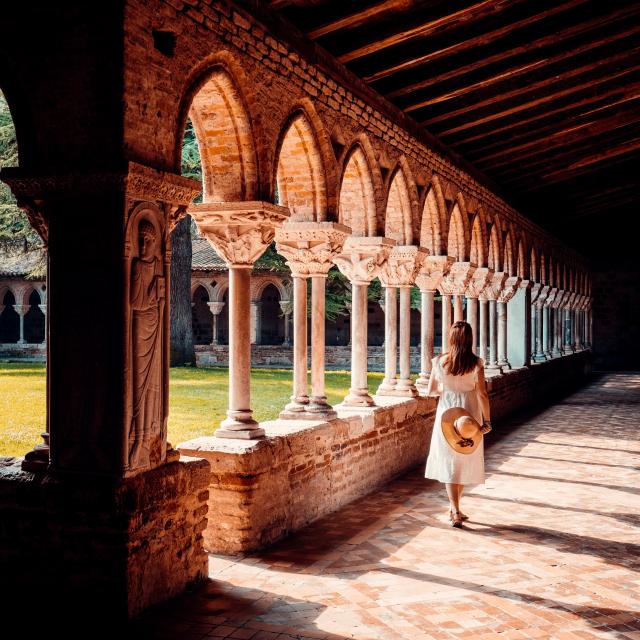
{"type": "Point", "coordinates": [509, 262]}
{"type": "Point", "coordinates": [301, 169]}
{"type": "Point", "coordinates": [6, 288]}
{"type": "Point", "coordinates": [495, 256]}
{"type": "Point", "coordinates": [219, 290]}
{"type": "Point", "coordinates": [458, 231]}
{"type": "Point", "coordinates": [258, 285]}
{"type": "Point", "coordinates": [357, 200]}
{"type": "Point", "coordinates": [522, 267]}
{"type": "Point", "coordinates": [225, 134]}
{"type": "Point", "coordinates": [544, 273]}
{"type": "Point", "coordinates": [206, 286]}
{"type": "Point", "coordinates": [398, 219]}
{"type": "Point", "coordinates": [433, 227]}
{"type": "Point", "coordinates": [478, 248]}
{"type": "Point", "coordinates": [25, 293]}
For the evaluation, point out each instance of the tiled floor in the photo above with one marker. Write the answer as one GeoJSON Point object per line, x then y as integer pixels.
{"type": "Point", "coordinates": [551, 549]}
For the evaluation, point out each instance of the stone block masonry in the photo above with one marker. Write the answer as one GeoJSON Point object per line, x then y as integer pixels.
{"type": "Point", "coordinates": [262, 490]}
{"type": "Point", "coordinates": [137, 544]}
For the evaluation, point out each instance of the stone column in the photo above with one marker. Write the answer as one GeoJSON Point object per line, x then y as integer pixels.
{"type": "Point", "coordinates": [557, 328]}
{"type": "Point", "coordinates": [285, 305]}
{"type": "Point", "coordinates": [390, 308]}
{"type": "Point", "coordinates": [239, 232]}
{"type": "Point", "coordinates": [216, 309]}
{"type": "Point", "coordinates": [361, 261]}
{"type": "Point", "coordinates": [458, 306]}
{"type": "Point", "coordinates": [569, 327]}
{"type": "Point", "coordinates": [479, 280]}
{"type": "Point", "coordinates": [550, 321]}
{"type": "Point", "coordinates": [433, 269]}
{"type": "Point", "coordinates": [538, 298]}
{"type": "Point", "coordinates": [309, 248]}
{"type": "Point", "coordinates": [484, 330]}
{"type": "Point", "coordinates": [21, 310]}
{"type": "Point", "coordinates": [490, 294]}
{"type": "Point", "coordinates": [399, 272]}
{"type": "Point", "coordinates": [508, 291]}
{"type": "Point", "coordinates": [454, 283]}
{"type": "Point", "coordinates": [256, 321]}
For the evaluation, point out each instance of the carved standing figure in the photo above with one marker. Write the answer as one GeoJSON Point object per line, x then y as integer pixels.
{"type": "Point", "coordinates": [147, 296]}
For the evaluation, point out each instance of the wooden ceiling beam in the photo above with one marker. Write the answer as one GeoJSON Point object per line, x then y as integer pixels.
{"type": "Point", "coordinates": [528, 68]}
{"type": "Point", "coordinates": [472, 43]}
{"type": "Point", "coordinates": [522, 91]}
{"type": "Point", "coordinates": [426, 29]}
{"type": "Point", "coordinates": [359, 17]}
{"type": "Point", "coordinates": [525, 105]}
{"type": "Point", "coordinates": [585, 102]}
{"type": "Point", "coordinates": [560, 36]}
{"type": "Point", "coordinates": [544, 144]}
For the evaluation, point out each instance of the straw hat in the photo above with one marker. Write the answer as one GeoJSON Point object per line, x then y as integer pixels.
{"type": "Point", "coordinates": [458, 423]}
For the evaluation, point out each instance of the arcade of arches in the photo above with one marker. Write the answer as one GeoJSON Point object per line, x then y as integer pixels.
{"type": "Point", "coordinates": [293, 151]}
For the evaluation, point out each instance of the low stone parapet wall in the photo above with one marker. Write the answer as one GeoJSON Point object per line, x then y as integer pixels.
{"type": "Point", "coordinates": [262, 490]}
{"type": "Point", "coordinates": [264, 355]}
{"type": "Point", "coordinates": [14, 352]}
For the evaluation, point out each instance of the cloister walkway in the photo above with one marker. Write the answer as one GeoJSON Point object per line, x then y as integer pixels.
{"type": "Point", "coordinates": [551, 549]}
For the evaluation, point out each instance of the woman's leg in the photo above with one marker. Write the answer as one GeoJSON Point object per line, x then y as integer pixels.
{"type": "Point", "coordinates": [452, 492]}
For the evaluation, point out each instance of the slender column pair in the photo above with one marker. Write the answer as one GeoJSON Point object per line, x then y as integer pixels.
{"type": "Point", "coordinates": [21, 310]}
{"type": "Point", "coordinates": [479, 280]}
{"type": "Point", "coordinates": [453, 286]}
{"type": "Point", "coordinates": [361, 260]}
{"type": "Point", "coordinates": [433, 269]}
{"type": "Point", "coordinates": [285, 305]}
{"type": "Point", "coordinates": [309, 248]}
{"type": "Point", "coordinates": [488, 300]}
{"type": "Point", "coordinates": [508, 291]}
{"type": "Point", "coordinates": [216, 309]}
{"type": "Point", "coordinates": [399, 273]}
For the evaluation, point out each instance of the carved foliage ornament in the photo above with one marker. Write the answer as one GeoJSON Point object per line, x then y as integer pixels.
{"type": "Point", "coordinates": [433, 269]}
{"type": "Point", "coordinates": [509, 289]}
{"type": "Point", "coordinates": [363, 258]}
{"type": "Point", "coordinates": [494, 286]}
{"type": "Point", "coordinates": [455, 283]}
{"type": "Point", "coordinates": [481, 277]}
{"type": "Point", "coordinates": [402, 265]}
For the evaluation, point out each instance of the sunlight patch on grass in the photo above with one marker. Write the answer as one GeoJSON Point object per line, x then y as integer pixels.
{"type": "Point", "coordinates": [197, 401]}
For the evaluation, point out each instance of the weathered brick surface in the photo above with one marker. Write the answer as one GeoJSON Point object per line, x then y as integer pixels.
{"type": "Point", "coordinates": [109, 548]}
{"type": "Point", "coordinates": [263, 490]}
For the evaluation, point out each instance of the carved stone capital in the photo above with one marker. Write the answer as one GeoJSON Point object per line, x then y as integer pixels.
{"type": "Point", "coordinates": [286, 307]}
{"type": "Point", "coordinates": [570, 300]}
{"type": "Point", "coordinates": [238, 231]}
{"type": "Point", "coordinates": [551, 297]}
{"type": "Point", "coordinates": [479, 280]}
{"type": "Point", "coordinates": [310, 247]}
{"type": "Point", "coordinates": [433, 269]}
{"type": "Point", "coordinates": [402, 266]}
{"type": "Point", "coordinates": [363, 257]}
{"type": "Point", "coordinates": [494, 286]}
{"type": "Point", "coordinates": [457, 280]}
{"type": "Point", "coordinates": [21, 309]}
{"type": "Point", "coordinates": [509, 289]}
{"type": "Point", "coordinates": [215, 307]}
{"type": "Point", "coordinates": [542, 295]}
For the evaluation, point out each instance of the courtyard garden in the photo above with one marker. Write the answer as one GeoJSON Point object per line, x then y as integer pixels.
{"type": "Point", "coordinates": [198, 398]}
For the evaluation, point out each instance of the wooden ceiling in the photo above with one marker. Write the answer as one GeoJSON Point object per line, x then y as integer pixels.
{"type": "Point", "coordinates": [542, 96]}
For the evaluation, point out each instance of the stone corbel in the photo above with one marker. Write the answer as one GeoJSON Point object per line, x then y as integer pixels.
{"type": "Point", "coordinates": [457, 280]}
{"type": "Point", "coordinates": [402, 266]}
{"type": "Point", "coordinates": [494, 287]}
{"type": "Point", "coordinates": [433, 270]}
{"type": "Point", "coordinates": [509, 289]}
{"type": "Point", "coordinates": [480, 279]}
{"type": "Point", "coordinates": [362, 258]}
{"type": "Point", "coordinates": [310, 247]}
{"type": "Point", "coordinates": [240, 232]}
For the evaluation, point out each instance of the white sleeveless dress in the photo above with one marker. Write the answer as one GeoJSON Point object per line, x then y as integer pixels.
{"type": "Point", "coordinates": [443, 463]}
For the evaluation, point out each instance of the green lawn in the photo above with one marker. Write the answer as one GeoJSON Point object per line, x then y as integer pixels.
{"type": "Point", "coordinates": [198, 399]}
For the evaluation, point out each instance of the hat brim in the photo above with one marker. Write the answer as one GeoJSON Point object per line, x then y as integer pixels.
{"type": "Point", "coordinates": [448, 430]}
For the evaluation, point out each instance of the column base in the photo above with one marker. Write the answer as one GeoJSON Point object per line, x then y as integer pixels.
{"type": "Point", "coordinates": [243, 429]}
{"type": "Point", "coordinates": [422, 384]}
{"type": "Point", "coordinates": [315, 410]}
{"type": "Point", "coordinates": [37, 460]}
{"type": "Point", "coordinates": [406, 388]}
{"type": "Point", "coordinates": [493, 368]}
{"type": "Point", "coordinates": [358, 398]}
{"type": "Point", "coordinates": [539, 357]}
{"type": "Point", "coordinates": [556, 353]}
{"type": "Point", "coordinates": [387, 387]}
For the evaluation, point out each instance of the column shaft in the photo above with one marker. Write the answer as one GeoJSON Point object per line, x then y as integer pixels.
{"type": "Point", "coordinates": [239, 422]}
{"type": "Point", "coordinates": [484, 326]}
{"type": "Point", "coordinates": [388, 385]}
{"type": "Point", "coordinates": [472, 319]}
{"type": "Point", "coordinates": [300, 398]}
{"type": "Point", "coordinates": [318, 403]}
{"type": "Point", "coordinates": [503, 361]}
{"type": "Point", "coordinates": [457, 308]}
{"type": "Point", "coordinates": [493, 335]}
{"type": "Point", "coordinates": [359, 393]}
{"type": "Point", "coordinates": [539, 354]}
{"type": "Point", "coordinates": [446, 321]}
{"type": "Point", "coordinates": [405, 384]}
{"type": "Point", "coordinates": [427, 333]}
{"type": "Point", "coordinates": [214, 330]}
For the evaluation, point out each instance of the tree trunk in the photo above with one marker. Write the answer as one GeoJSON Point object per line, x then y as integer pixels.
{"type": "Point", "coordinates": [181, 333]}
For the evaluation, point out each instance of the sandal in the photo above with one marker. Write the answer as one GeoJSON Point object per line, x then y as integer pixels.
{"type": "Point", "coordinates": [462, 515]}
{"type": "Point", "coordinates": [456, 520]}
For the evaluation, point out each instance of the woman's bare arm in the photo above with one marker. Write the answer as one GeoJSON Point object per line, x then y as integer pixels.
{"type": "Point", "coordinates": [432, 387]}
{"type": "Point", "coordinates": [483, 396]}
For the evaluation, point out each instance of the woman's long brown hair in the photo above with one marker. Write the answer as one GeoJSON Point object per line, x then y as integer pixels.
{"type": "Point", "coordinates": [460, 357]}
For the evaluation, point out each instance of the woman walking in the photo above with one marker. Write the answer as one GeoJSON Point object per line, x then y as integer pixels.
{"type": "Point", "coordinates": [456, 455]}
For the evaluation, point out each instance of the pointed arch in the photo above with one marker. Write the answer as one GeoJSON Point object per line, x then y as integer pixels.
{"type": "Point", "coordinates": [300, 170]}
{"type": "Point", "coordinates": [479, 244]}
{"type": "Point", "coordinates": [225, 138]}
{"type": "Point", "coordinates": [509, 262]}
{"type": "Point", "coordinates": [357, 200]}
{"type": "Point", "coordinates": [544, 278]}
{"type": "Point", "coordinates": [433, 226]}
{"type": "Point", "coordinates": [552, 271]}
{"type": "Point", "coordinates": [458, 233]}
{"type": "Point", "coordinates": [535, 265]}
{"type": "Point", "coordinates": [494, 260]}
{"type": "Point", "coordinates": [398, 222]}
{"type": "Point", "coordinates": [522, 268]}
